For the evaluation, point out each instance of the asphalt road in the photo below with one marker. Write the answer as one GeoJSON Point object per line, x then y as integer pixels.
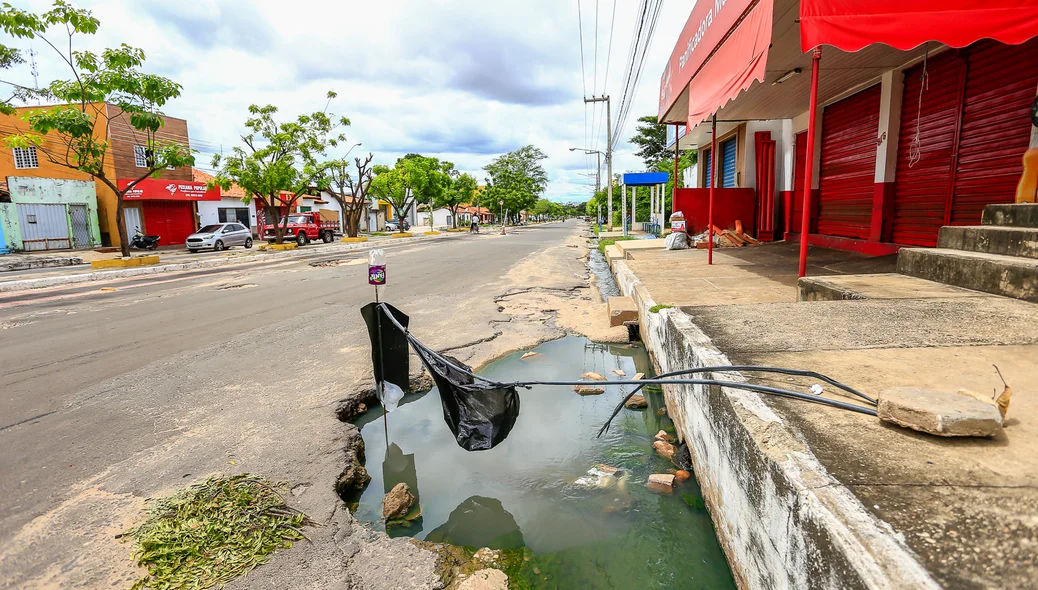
{"type": "Point", "coordinates": [100, 379]}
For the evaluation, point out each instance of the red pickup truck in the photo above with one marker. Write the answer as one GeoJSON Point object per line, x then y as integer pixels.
{"type": "Point", "coordinates": [304, 227]}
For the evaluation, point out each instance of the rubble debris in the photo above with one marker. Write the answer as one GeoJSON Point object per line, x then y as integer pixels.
{"type": "Point", "coordinates": [942, 413]}
{"type": "Point", "coordinates": [665, 449]}
{"type": "Point", "coordinates": [681, 475]}
{"type": "Point", "coordinates": [661, 482]}
{"type": "Point", "coordinates": [636, 402]}
{"type": "Point", "coordinates": [592, 375]}
{"type": "Point", "coordinates": [664, 436]}
{"type": "Point", "coordinates": [619, 372]}
{"type": "Point", "coordinates": [588, 390]}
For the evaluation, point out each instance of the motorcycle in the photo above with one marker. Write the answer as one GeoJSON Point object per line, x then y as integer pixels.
{"type": "Point", "coordinates": [143, 242]}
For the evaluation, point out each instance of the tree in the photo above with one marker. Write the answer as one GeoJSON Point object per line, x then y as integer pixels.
{"type": "Point", "coordinates": [80, 124]}
{"type": "Point", "coordinates": [517, 178]}
{"type": "Point", "coordinates": [279, 161]}
{"type": "Point", "coordinates": [461, 190]}
{"type": "Point", "coordinates": [406, 183]}
{"type": "Point", "coordinates": [651, 139]}
{"type": "Point", "coordinates": [352, 195]}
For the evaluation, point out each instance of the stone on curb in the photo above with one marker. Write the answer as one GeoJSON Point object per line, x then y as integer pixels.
{"type": "Point", "coordinates": [622, 309]}
{"type": "Point", "coordinates": [942, 413]}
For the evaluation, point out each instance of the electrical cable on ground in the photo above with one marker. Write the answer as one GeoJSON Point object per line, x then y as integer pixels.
{"type": "Point", "coordinates": [666, 379]}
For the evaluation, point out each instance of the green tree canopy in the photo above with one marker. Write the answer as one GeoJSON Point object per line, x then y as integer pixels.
{"type": "Point", "coordinates": [413, 179]}
{"type": "Point", "coordinates": [651, 139]}
{"type": "Point", "coordinates": [279, 162]}
{"type": "Point", "coordinates": [517, 178]}
{"type": "Point", "coordinates": [79, 125]}
{"type": "Point", "coordinates": [460, 190]}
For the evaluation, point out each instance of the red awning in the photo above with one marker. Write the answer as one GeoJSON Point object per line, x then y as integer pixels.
{"type": "Point", "coordinates": [707, 26]}
{"type": "Point", "coordinates": [169, 190]}
{"type": "Point", "coordinates": [734, 65]}
{"type": "Point", "coordinates": [851, 25]}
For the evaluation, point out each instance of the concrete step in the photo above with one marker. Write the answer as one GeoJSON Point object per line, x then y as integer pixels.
{"type": "Point", "coordinates": [878, 286]}
{"type": "Point", "coordinates": [1011, 276]}
{"type": "Point", "coordinates": [993, 239]}
{"type": "Point", "coordinates": [1013, 215]}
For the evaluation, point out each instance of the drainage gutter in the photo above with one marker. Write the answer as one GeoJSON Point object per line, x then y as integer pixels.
{"type": "Point", "coordinates": [782, 519]}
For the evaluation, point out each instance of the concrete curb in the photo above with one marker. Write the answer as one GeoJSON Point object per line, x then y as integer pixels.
{"type": "Point", "coordinates": [43, 282]}
{"type": "Point", "coordinates": [40, 263]}
{"type": "Point", "coordinates": [782, 520]}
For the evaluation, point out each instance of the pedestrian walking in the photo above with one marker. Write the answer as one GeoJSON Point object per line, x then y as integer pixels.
{"type": "Point", "coordinates": [474, 228]}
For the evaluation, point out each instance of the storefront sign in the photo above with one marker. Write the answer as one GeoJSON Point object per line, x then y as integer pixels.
{"type": "Point", "coordinates": [707, 26]}
{"type": "Point", "coordinates": [169, 190]}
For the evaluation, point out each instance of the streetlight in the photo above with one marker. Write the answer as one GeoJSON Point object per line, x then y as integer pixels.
{"type": "Point", "coordinates": [351, 149]}
{"type": "Point", "coordinates": [598, 171]}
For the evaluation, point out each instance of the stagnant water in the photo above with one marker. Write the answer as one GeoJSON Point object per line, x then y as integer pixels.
{"type": "Point", "coordinates": [600, 267]}
{"type": "Point", "coordinates": [522, 494]}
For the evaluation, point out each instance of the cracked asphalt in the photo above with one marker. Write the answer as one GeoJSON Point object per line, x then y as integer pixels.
{"type": "Point", "coordinates": [119, 391]}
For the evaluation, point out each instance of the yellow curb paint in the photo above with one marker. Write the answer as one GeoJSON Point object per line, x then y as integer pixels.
{"type": "Point", "coordinates": [356, 240]}
{"type": "Point", "coordinates": [288, 246]}
{"type": "Point", "coordinates": [402, 235]}
{"type": "Point", "coordinates": [432, 233]}
{"type": "Point", "coordinates": [125, 262]}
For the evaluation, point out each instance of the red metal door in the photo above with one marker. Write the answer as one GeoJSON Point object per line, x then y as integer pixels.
{"type": "Point", "coordinates": [174, 221]}
{"type": "Point", "coordinates": [799, 160]}
{"type": "Point", "coordinates": [996, 130]}
{"type": "Point", "coordinates": [927, 148]}
{"type": "Point", "coordinates": [847, 172]}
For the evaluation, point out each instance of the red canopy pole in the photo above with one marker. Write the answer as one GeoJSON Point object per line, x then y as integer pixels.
{"type": "Point", "coordinates": [713, 180]}
{"type": "Point", "coordinates": [674, 194]}
{"type": "Point", "coordinates": [805, 223]}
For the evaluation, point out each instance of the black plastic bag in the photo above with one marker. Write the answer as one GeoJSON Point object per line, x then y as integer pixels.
{"type": "Point", "coordinates": [389, 347]}
{"type": "Point", "coordinates": [479, 415]}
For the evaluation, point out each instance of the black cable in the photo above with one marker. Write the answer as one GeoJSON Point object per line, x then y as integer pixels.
{"type": "Point", "coordinates": [664, 379]}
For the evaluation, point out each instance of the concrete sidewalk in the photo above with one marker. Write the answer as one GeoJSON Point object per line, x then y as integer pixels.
{"type": "Point", "coordinates": [802, 492]}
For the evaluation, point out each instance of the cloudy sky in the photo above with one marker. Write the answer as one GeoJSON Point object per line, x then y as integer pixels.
{"type": "Point", "coordinates": [459, 80]}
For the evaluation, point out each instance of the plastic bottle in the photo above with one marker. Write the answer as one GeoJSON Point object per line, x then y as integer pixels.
{"type": "Point", "coordinates": [377, 267]}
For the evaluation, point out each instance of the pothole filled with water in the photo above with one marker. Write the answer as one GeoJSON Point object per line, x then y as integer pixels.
{"type": "Point", "coordinates": [532, 495]}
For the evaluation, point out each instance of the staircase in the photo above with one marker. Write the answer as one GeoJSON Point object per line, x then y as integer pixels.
{"type": "Point", "coordinates": [1000, 256]}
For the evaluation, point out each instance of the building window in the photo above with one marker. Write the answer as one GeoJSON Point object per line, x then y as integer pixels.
{"type": "Point", "coordinates": [25, 158]}
{"type": "Point", "coordinates": [142, 156]}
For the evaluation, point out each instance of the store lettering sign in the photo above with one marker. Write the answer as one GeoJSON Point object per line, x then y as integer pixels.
{"type": "Point", "coordinates": [158, 189]}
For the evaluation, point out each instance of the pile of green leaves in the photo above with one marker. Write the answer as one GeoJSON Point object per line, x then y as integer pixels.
{"type": "Point", "coordinates": [604, 243]}
{"type": "Point", "coordinates": [213, 532]}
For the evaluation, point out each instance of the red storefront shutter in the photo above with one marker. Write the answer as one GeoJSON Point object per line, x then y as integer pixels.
{"type": "Point", "coordinates": [996, 131]}
{"type": "Point", "coordinates": [174, 221]}
{"type": "Point", "coordinates": [799, 160]}
{"type": "Point", "coordinates": [848, 169]}
{"type": "Point", "coordinates": [922, 189]}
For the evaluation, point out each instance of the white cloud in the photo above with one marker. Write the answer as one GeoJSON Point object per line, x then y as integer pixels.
{"type": "Point", "coordinates": [464, 81]}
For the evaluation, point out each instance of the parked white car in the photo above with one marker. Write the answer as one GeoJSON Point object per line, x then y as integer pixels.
{"type": "Point", "coordinates": [220, 236]}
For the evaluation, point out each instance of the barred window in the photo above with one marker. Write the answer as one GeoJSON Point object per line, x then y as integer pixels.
{"type": "Point", "coordinates": [142, 156]}
{"type": "Point", "coordinates": [25, 158]}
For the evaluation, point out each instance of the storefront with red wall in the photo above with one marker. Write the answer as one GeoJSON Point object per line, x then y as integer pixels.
{"type": "Point", "coordinates": [165, 208]}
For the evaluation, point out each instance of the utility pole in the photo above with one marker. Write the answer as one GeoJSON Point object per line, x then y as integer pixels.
{"type": "Point", "coordinates": [609, 152]}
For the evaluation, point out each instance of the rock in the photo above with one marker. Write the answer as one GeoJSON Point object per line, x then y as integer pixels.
{"type": "Point", "coordinates": [361, 408]}
{"type": "Point", "coordinates": [681, 475]}
{"type": "Point", "coordinates": [601, 476]}
{"type": "Point", "coordinates": [665, 449]}
{"type": "Point", "coordinates": [662, 435]}
{"type": "Point", "coordinates": [622, 309]}
{"type": "Point", "coordinates": [487, 556]}
{"type": "Point", "coordinates": [636, 402]}
{"type": "Point", "coordinates": [661, 482]}
{"type": "Point", "coordinates": [638, 376]}
{"type": "Point", "coordinates": [536, 571]}
{"type": "Point", "coordinates": [485, 579]}
{"type": "Point", "coordinates": [349, 407]}
{"type": "Point", "coordinates": [397, 502]}
{"type": "Point", "coordinates": [528, 355]}
{"type": "Point", "coordinates": [593, 376]}
{"type": "Point", "coordinates": [942, 413]}
{"type": "Point", "coordinates": [587, 390]}
{"type": "Point", "coordinates": [620, 372]}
